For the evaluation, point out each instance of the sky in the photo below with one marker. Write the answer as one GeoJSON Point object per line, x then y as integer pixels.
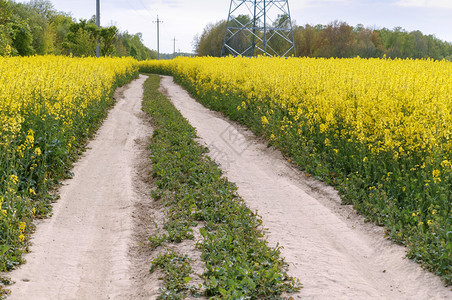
{"type": "Point", "coordinates": [183, 20]}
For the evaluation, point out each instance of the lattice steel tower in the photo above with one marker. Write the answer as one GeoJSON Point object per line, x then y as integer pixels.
{"type": "Point", "coordinates": [259, 27]}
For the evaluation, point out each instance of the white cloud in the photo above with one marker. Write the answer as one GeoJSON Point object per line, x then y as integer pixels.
{"type": "Point", "coordinates": [425, 3]}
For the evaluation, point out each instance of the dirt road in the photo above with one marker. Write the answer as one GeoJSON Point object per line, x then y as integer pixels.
{"type": "Point", "coordinates": [328, 247]}
{"type": "Point", "coordinates": [86, 250]}
{"type": "Point", "coordinates": [82, 252]}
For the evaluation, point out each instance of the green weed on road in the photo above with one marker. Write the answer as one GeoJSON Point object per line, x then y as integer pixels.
{"type": "Point", "coordinates": [239, 263]}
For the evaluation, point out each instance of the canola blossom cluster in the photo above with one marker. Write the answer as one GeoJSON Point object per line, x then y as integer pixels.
{"type": "Point", "coordinates": [49, 106]}
{"type": "Point", "coordinates": [379, 130]}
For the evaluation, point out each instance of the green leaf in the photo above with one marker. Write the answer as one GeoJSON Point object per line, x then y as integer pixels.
{"type": "Point", "coordinates": [4, 249]}
{"type": "Point", "coordinates": [187, 279]}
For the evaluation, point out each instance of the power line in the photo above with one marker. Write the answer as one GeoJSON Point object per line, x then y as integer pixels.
{"type": "Point", "coordinates": [138, 10]}
{"type": "Point", "coordinates": [143, 5]}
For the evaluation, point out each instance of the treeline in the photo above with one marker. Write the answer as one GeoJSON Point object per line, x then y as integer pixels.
{"type": "Point", "coordinates": [37, 28]}
{"type": "Point", "coordinates": [338, 39]}
{"type": "Point", "coordinates": [174, 55]}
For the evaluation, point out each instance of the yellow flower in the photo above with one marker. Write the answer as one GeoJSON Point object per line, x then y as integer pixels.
{"type": "Point", "coordinates": [30, 138]}
{"type": "Point", "coordinates": [264, 120]}
{"type": "Point", "coordinates": [446, 163]}
{"type": "Point", "coordinates": [436, 173]}
{"type": "Point", "coordinates": [14, 179]}
{"type": "Point", "coordinates": [2, 211]}
{"type": "Point", "coordinates": [22, 226]}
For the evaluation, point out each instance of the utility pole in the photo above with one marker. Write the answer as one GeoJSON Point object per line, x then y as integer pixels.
{"type": "Point", "coordinates": [158, 36]}
{"type": "Point", "coordinates": [174, 49]}
{"type": "Point", "coordinates": [98, 26]}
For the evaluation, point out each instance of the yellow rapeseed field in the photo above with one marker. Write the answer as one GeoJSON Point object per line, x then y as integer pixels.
{"type": "Point", "coordinates": [380, 130]}
{"type": "Point", "coordinates": [396, 106]}
{"type": "Point", "coordinates": [48, 107]}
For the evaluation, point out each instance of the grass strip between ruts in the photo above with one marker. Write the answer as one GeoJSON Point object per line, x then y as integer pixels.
{"type": "Point", "coordinates": [239, 263]}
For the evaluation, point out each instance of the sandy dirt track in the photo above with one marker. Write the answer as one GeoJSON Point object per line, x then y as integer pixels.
{"type": "Point", "coordinates": [88, 249]}
{"type": "Point", "coordinates": [83, 250]}
{"type": "Point", "coordinates": [328, 247]}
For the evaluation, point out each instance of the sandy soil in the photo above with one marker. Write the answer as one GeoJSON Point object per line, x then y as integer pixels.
{"type": "Point", "coordinates": [327, 246]}
{"type": "Point", "coordinates": [88, 249]}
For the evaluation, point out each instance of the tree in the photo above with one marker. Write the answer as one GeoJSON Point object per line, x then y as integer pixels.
{"type": "Point", "coordinates": [60, 28]}
{"type": "Point", "coordinates": [44, 8]}
{"type": "Point", "coordinates": [132, 45]}
{"type": "Point", "coordinates": [5, 27]}
{"type": "Point", "coordinates": [280, 40]}
{"type": "Point", "coordinates": [21, 37]}
{"type": "Point", "coordinates": [420, 44]}
{"type": "Point", "coordinates": [211, 41]}
{"type": "Point", "coordinates": [81, 40]}
{"type": "Point", "coordinates": [337, 40]}
{"type": "Point", "coordinates": [368, 42]}
{"type": "Point", "coordinates": [306, 40]}
{"type": "Point", "coordinates": [392, 41]}
{"type": "Point", "coordinates": [37, 28]}
{"type": "Point", "coordinates": [108, 37]}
